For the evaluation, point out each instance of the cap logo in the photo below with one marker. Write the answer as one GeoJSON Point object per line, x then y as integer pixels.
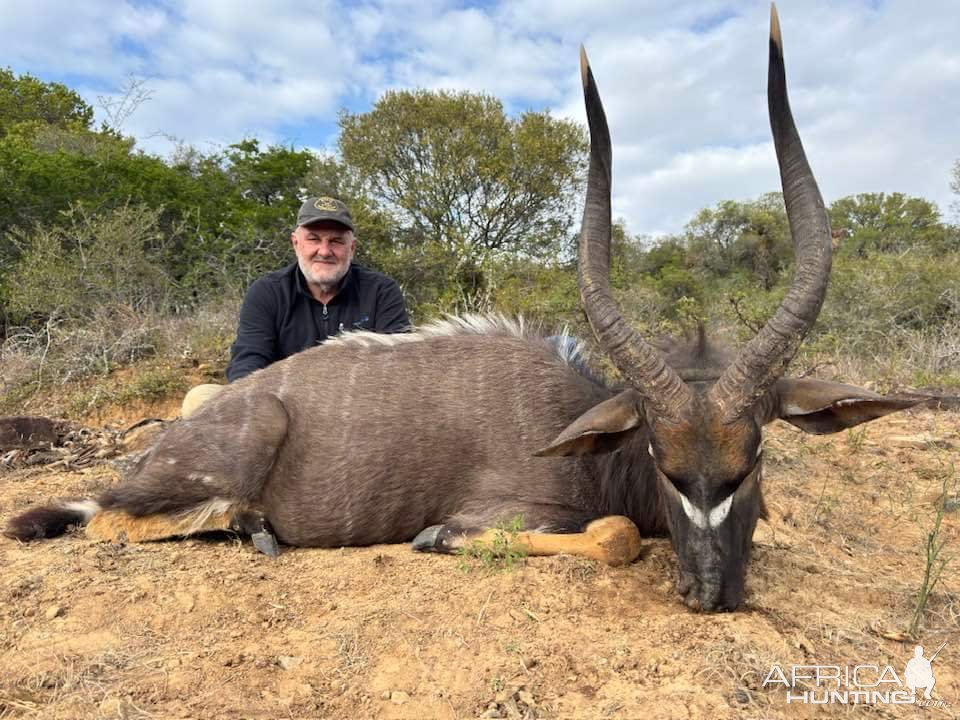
{"type": "Point", "coordinates": [327, 203]}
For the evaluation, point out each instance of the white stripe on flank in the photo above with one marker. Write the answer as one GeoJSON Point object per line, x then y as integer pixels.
{"type": "Point", "coordinates": [87, 508]}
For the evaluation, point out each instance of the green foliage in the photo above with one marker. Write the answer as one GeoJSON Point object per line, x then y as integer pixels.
{"type": "Point", "coordinates": [666, 251]}
{"type": "Point", "coordinates": [741, 236]}
{"type": "Point", "coordinates": [25, 98]}
{"type": "Point", "coordinates": [154, 384]}
{"type": "Point", "coordinates": [955, 187]}
{"type": "Point", "coordinates": [545, 293]}
{"type": "Point", "coordinates": [93, 261]}
{"type": "Point", "coordinates": [45, 170]}
{"type": "Point", "coordinates": [872, 223]}
{"type": "Point", "coordinates": [467, 208]}
{"type": "Point", "coordinates": [246, 199]}
{"type": "Point", "coordinates": [458, 174]}
{"type": "Point", "coordinates": [673, 283]}
{"type": "Point", "coordinates": [856, 437]}
{"type": "Point", "coordinates": [504, 552]}
{"type": "Point", "coordinates": [935, 560]}
{"type": "Point", "coordinates": [891, 292]}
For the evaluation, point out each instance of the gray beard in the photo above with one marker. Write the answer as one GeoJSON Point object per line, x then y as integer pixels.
{"type": "Point", "coordinates": [326, 287]}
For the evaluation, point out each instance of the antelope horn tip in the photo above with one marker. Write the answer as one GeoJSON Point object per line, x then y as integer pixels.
{"type": "Point", "coordinates": [775, 27]}
{"type": "Point", "coordinates": [584, 66]}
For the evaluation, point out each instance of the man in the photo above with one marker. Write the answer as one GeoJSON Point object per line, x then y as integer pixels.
{"type": "Point", "coordinates": [320, 295]}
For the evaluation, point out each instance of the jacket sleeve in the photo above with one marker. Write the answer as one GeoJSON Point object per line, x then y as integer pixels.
{"type": "Point", "coordinates": [256, 345]}
{"type": "Point", "coordinates": [391, 316]}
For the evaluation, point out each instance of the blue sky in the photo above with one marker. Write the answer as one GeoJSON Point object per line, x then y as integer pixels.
{"type": "Point", "coordinates": [875, 86]}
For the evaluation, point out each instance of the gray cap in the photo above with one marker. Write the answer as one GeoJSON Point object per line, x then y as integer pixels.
{"type": "Point", "coordinates": [316, 209]}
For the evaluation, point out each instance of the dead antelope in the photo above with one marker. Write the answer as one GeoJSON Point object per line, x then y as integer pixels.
{"type": "Point", "coordinates": [436, 435]}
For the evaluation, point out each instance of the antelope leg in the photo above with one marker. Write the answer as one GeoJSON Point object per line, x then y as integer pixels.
{"type": "Point", "coordinates": [613, 540]}
{"type": "Point", "coordinates": [120, 526]}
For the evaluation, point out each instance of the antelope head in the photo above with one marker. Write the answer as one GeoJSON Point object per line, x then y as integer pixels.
{"type": "Point", "coordinates": [703, 427]}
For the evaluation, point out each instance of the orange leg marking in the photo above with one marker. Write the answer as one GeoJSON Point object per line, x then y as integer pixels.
{"type": "Point", "coordinates": [118, 526]}
{"type": "Point", "coordinates": [612, 540]}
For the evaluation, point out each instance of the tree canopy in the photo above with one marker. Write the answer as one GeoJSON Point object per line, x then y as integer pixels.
{"type": "Point", "coordinates": [888, 222]}
{"type": "Point", "coordinates": [457, 172]}
{"type": "Point", "coordinates": [25, 98]}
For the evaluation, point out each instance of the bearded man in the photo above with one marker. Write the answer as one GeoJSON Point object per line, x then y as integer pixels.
{"type": "Point", "coordinates": [320, 295]}
{"type": "Point", "coordinates": [317, 297]}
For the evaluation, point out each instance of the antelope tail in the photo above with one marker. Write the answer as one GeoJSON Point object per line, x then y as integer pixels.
{"type": "Point", "coordinates": [48, 521]}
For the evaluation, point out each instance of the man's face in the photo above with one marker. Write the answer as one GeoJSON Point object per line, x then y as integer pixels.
{"type": "Point", "coordinates": [324, 252]}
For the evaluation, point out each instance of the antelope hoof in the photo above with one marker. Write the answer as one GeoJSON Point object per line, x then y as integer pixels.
{"type": "Point", "coordinates": [614, 540]}
{"type": "Point", "coordinates": [436, 538]}
{"type": "Point", "coordinates": [266, 542]}
{"type": "Point", "coordinates": [426, 539]}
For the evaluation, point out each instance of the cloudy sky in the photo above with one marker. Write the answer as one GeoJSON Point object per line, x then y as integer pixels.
{"type": "Point", "coordinates": [875, 84]}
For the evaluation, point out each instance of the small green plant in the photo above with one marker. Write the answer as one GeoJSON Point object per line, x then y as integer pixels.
{"type": "Point", "coordinates": [945, 380]}
{"type": "Point", "coordinates": [935, 560]}
{"type": "Point", "coordinates": [856, 438]}
{"type": "Point", "coordinates": [824, 503]}
{"type": "Point", "coordinates": [89, 399]}
{"type": "Point", "coordinates": [503, 552]}
{"type": "Point", "coordinates": [154, 384]}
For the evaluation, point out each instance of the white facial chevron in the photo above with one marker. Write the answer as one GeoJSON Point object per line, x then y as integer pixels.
{"type": "Point", "coordinates": [702, 520]}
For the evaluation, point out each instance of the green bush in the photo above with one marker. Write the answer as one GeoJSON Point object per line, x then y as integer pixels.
{"type": "Point", "coordinates": [68, 272]}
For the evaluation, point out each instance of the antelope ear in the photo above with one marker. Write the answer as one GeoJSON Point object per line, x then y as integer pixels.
{"type": "Point", "coordinates": [822, 407]}
{"type": "Point", "coordinates": [602, 429]}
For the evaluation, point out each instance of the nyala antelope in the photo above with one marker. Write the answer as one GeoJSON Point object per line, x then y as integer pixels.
{"type": "Point", "coordinates": [436, 435]}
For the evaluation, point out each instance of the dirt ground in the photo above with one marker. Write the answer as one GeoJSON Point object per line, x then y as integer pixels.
{"type": "Point", "coordinates": [209, 628]}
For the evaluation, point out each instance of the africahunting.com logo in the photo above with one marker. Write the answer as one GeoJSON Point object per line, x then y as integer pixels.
{"type": "Point", "coordinates": [859, 684]}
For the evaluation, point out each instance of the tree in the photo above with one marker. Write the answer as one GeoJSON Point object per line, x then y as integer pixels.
{"type": "Point", "coordinates": [25, 98]}
{"type": "Point", "coordinates": [888, 223]}
{"type": "Point", "coordinates": [247, 199]}
{"type": "Point", "coordinates": [460, 175]}
{"type": "Point", "coordinates": [955, 186]}
{"type": "Point", "coordinates": [749, 236]}
{"type": "Point", "coordinates": [110, 259]}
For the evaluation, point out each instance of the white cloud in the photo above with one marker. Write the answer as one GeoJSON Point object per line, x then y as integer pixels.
{"type": "Point", "coordinates": [875, 86]}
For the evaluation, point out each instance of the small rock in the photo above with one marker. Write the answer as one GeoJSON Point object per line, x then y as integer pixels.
{"type": "Point", "coordinates": [492, 712]}
{"type": "Point", "coordinates": [385, 695]}
{"type": "Point", "coordinates": [54, 611]}
{"type": "Point", "coordinates": [288, 662]}
{"type": "Point", "coordinates": [951, 504]}
{"type": "Point", "coordinates": [398, 697]}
